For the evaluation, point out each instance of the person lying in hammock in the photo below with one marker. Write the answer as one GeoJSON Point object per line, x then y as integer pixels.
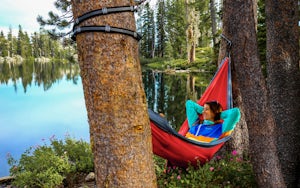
{"type": "Point", "coordinates": [216, 123]}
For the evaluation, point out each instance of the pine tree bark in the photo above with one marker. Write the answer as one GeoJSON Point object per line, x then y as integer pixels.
{"type": "Point", "coordinates": [115, 100]}
{"type": "Point", "coordinates": [192, 30]}
{"type": "Point", "coordinates": [284, 82]}
{"type": "Point", "coordinates": [239, 26]}
{"type": "Point", "coordinates": [212, 9]}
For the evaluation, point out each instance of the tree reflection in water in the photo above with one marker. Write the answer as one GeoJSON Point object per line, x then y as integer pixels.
{"type": "Point", "coordinates": [42, 74]}
{"type": "Point", "coordinates": [166, 93]}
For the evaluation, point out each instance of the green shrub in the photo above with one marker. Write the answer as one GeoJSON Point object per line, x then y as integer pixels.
{"type": "Point", "coordinates": [47, 166]}
{"type": "Point", "coordinates": [230, 171]}
{"type": "Point", "coordinates": [79, 153]}
{"type": "Point", "coordinates": [39, 167]}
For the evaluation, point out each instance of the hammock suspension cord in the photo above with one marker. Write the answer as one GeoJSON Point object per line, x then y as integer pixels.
{"type": "Point", "coordinates": [228, 46]}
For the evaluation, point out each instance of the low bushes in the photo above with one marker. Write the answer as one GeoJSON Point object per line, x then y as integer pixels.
{"type": "Point", "coordinates": [62, 161]}
{"type": "Point", "coordinates": [50, 165]}
{"type": "Point", "coordinates": [231, 170]}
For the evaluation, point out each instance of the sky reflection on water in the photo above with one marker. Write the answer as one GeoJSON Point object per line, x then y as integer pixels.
{"type": "Point", "coordinates": [26, 119]}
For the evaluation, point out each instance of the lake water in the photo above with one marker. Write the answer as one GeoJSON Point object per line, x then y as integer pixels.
{"type": "Point", "coordinates": [42, 101]}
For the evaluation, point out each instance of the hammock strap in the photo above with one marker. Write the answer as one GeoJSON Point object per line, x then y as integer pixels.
{"type": "Point", "coordinates": [228, 46]}
{"type": "Point", "coordinates": [103, 11]}
{"type": "Point", "coordinates": [229, 87]}
{"type": "Point", "coordinates": [107, 29]}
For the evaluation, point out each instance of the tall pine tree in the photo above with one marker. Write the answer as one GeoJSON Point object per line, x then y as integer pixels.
{"type": "Point", "coordinates": [147, 43]}
{"type": "Point", "coordinates": [161, 21]}
{"type": "Point", "coordinates": [176, 27]}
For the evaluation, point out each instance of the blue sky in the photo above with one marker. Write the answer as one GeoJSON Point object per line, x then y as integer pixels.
{"type": "Point", "coordinates": [23, 12]}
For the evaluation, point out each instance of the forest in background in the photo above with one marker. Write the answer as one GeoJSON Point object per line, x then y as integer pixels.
{"type": "Point", "coordinates": [164, 29]}
{"type": "Point", "coordinates": [36, 45]}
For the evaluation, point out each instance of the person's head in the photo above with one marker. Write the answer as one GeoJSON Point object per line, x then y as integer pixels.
{"type": "Point", "coordinates": [212, 111]}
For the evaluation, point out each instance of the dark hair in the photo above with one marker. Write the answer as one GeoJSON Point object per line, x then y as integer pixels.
{"type": "Point", "coordinates": [216, 108]}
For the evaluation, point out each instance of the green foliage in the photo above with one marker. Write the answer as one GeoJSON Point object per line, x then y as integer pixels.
{"type": "Point", "coordinates": [3, 45]}
{"type": "Point", "coordinates": [147, 30]}
{"type": "Point", "coordinates": [176, 28]}
{"type": "Point", "coordinates": [163, 27]}
{"type": "Point", "coordinates": [262, 35]}
{"type": "Point", "coordinates": [161, 35]}
{"type": "Point", "coordinates": [58, 21]}
{"type": "Point", "coordinates": [229, 171]}
{"type": "Point", "coordinates": [205, 59]}
{"type": "Point", "coordinates": [37, 45]}
{"type": "Point", "coordinates": [203, 62]}
{"type": "Point", "coordinates": [48, 166]}
{"type": "Point", "coordinates": [204, 23]}
{"type": "Point", "coordinates": [79, 153]}
{"type": "Point", "coordinates": [39, 168]}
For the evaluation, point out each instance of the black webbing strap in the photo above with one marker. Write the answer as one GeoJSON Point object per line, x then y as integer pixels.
{"type": "Point", "coordinates": [108, 29]}
{"type": "Point", "coordinates": [103, 11]}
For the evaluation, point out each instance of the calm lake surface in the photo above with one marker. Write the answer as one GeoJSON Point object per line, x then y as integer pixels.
{"type": "Point", "coordinates": [42, 101]}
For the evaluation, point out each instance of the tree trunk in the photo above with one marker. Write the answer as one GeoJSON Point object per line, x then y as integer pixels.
{"type": "Point", "coordinates": [240, 136]}
{"type": "Point", "coordinates": [192, 31]}
{"type": "Point", "coordinates": [284, 82]}
{"type": "Point", "coordinates": [115, 100]}
{"type": "Point", "coordinates": [239, 26]}
{"type": "Point", "coordinates": [213, 17]}
{"type": "Point", "coordinates": [213, 21]}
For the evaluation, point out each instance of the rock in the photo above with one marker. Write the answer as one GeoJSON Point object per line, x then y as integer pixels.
{"type": "Point", "coordinates": [6, 181]}
{"type": "Point", "coordinates": [90, 177]}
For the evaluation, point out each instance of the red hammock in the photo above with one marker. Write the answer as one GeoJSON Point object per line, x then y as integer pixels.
{"type": "Point", "coordinates": [177, 149]}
